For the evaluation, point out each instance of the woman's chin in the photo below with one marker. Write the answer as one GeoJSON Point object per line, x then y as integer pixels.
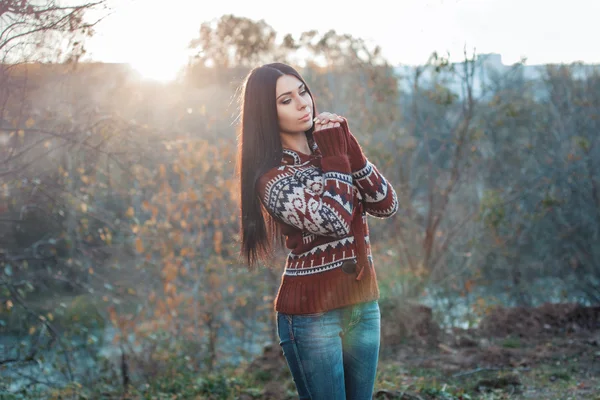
{"type": "Point", "coordinates": [307, 125]}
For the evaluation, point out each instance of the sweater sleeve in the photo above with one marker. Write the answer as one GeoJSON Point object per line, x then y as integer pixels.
{"type": "Point", "coordinates": [322, 207]}
{"type": "Point", "coordinates": [379, 197]}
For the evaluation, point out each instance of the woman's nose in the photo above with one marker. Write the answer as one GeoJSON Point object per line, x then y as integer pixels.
{"type": "Point", "coordinates": [302, 103]}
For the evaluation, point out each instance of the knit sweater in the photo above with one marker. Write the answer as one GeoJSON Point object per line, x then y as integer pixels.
{"type": "Point", "coordinates": [321, 202]}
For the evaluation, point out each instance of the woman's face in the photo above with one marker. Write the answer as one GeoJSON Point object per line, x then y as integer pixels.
{"type": "Point", "coordinates": [294, 105]}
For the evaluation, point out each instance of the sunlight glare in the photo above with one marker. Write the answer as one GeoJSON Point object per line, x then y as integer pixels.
{"type": "Point", "coordinates": [162, 69]}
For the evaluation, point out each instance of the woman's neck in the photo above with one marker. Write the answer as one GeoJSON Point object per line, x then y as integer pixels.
{"type": "Point", "coordinates": [296, 141]}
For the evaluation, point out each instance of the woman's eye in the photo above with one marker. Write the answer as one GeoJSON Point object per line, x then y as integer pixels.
{"type": "Point", "coordinates": [302, 93]}
{"type": "Point", "coordinates": [288, 101]}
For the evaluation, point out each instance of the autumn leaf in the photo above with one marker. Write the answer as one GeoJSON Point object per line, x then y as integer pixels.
{"type": "Point", "coordinates": [469, 285]}
{"type": "Point", "coordinates": [130, 212]}
{"type": "Point", "coordinates": [218, 240]}
{"type": "Point", "coordinates": [214, 280]}
{"type": "Point", "coordinates": [108, 238]}
{"type": "Point", "coordinates": [116, 339]}
{"type": "Point", "coordinates": [139, 245]}
{"type": "Point", "coordinates": [186, 252]}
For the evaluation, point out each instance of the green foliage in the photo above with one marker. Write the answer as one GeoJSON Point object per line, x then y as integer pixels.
{"type": "Point", "coordinates": [80, 316]}
{"type": "Point", "coordinates": [492, 210]}
{"type": "Point", "coordinates": [511, 343]}
{"type": "Point", "coordinates": [442, 393]}
{"type": "Point", "coordinates": [442, 95]}
{"type": "Point", "coordinates": [185, 385]}
{"type": "Point", "coordinates": [263, 376]}
{"type": "Point", "coordinates": [582, 142]}
{"type": "Point", "coordinates": [559, 375]}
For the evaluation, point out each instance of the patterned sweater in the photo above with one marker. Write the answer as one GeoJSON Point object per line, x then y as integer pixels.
{"type": "Point", "coordinates": [322, 201]}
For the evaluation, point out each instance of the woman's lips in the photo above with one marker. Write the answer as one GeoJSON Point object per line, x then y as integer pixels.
{"type": "Point", "coordinates": [305, 118]}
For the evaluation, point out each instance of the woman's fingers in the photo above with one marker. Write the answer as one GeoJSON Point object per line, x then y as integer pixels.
{"type": "Point", "coordinates": [327, 120]}
{"type": "Point", "coordinates": [319, 127]}
{"type": "Point", "coordinates": [327, 117]}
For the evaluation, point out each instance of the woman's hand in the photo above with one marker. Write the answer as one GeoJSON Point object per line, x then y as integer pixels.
{"type": "Point", "coordinates": [327, 120]}
{"type": "Point", "coordinates": [333, 142]}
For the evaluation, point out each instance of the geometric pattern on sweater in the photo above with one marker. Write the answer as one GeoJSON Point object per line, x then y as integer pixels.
{"type": "Point", "coordinates": [321, 267]}
{"type": "Point", "coordinates": [308, 237]}
{"type": "Point", "coordinates": [294, 155]}
{"type": "Point", "coordinates": [364, 178]}
{"type": "Point", "coordinates": [306, 198]}
{"type": "Point", "coordinates": [334, 244]}
{"type": "Point", "coordinates": [320, 203]}
{"type": "Point", "coordinates": [323, 257]}
{"type": "Point", "coordinates": [385, 212]}
{"type": "Point", "coordinates": [374, 189]}
{"type": "Point", "coordinates": [346, 200]}
{"type": "Point", "coordinates": [330, 246]}
{"type": "Point", "coordinates": [363, 172]}
{"type": "Point", "coordinates": [314, 270]}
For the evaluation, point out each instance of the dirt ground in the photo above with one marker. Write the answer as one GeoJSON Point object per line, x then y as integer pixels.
{"type": "Point", "coordinates": [548, 352]}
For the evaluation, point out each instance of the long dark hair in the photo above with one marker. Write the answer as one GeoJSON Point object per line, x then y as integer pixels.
{"type": "Point", "coordinates": [259, 150]}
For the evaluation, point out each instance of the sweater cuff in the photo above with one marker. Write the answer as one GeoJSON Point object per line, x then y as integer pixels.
{"type": "Point", "coordinates": [336, 164]}
{"type": "Point", "coordinates": [331, 141]}
{"type": "Point", "coordinates": [355, 153]}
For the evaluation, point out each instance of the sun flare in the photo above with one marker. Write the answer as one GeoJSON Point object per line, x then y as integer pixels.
{"type": "Point", "coordinates": [165, 69]}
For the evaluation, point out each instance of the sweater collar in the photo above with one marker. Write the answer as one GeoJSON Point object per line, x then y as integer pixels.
{"type": "Point", "coordinates": [293, 157]}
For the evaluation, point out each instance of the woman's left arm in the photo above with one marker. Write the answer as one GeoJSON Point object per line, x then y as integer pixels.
{"type": "Point", "coordinates": [379, 197]}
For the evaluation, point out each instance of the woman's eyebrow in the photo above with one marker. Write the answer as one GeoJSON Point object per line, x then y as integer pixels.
{"type": "Point", "coordinates": [283, 94]}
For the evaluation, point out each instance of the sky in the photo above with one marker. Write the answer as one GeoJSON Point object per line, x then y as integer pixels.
{"type": "Point", "coordinates": [152, 35]}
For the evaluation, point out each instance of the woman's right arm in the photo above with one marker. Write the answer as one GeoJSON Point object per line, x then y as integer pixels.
{"type": "Point", "coordinates": [324, 209]}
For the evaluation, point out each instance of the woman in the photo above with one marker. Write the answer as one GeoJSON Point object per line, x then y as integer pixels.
{"type": "Point", "coordinates": [304, 178]}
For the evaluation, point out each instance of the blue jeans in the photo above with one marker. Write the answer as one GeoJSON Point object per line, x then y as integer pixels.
{"type": "Point", "coordinates": [333, 355]}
